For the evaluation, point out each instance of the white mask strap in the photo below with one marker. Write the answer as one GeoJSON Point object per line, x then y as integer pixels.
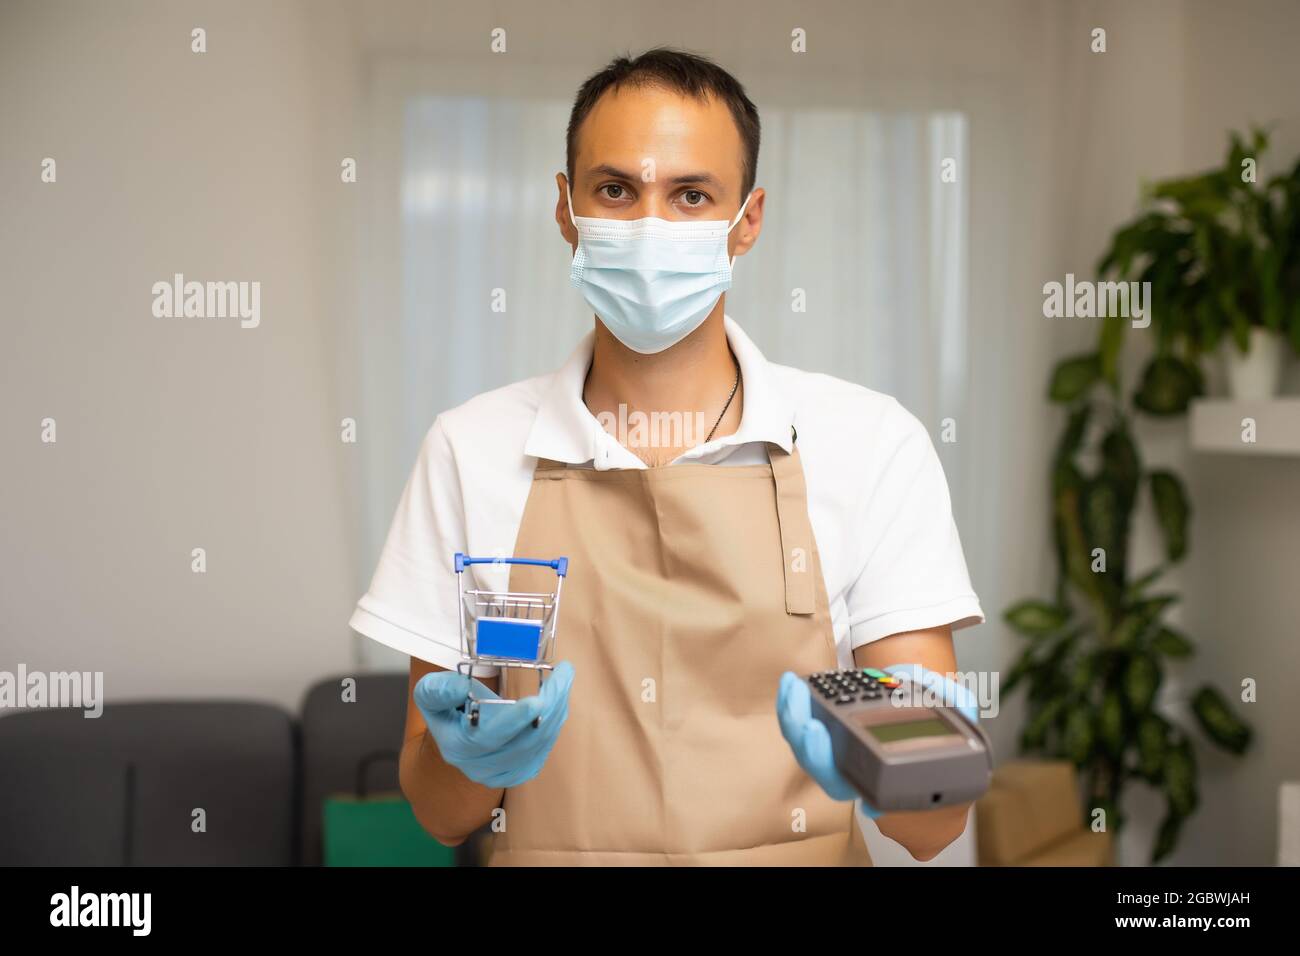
{"type": "Point", "coordinates": [569, 193]}
{"type": "Point", "coordinates": [731, 264]}
{"type": "Point", "coordinates": [740, 214]}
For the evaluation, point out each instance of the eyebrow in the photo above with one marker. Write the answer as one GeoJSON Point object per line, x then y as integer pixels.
{"type": "Point", "coordinates": [604, 169]}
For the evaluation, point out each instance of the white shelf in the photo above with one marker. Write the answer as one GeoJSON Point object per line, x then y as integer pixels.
{"type": "Point", "coordinates": [1216, 426]}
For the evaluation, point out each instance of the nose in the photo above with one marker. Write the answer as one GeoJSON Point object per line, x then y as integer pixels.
{"type": "Point", "coordinates": [653, 203]}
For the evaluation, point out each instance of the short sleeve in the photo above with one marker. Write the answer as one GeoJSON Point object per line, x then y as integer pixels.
{"type": "Point", "coordinates": [913, 572]}
{"type": "Point", "coordinates": [411, 603]}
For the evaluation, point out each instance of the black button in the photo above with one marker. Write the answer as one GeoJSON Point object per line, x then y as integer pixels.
{"type": "Point", "coordinates": [844, 699]}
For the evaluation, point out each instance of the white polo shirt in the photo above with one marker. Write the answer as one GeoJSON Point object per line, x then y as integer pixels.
{"type": "Point", "coordinates": [877, 499]}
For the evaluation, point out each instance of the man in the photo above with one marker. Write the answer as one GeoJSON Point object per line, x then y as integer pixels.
{"type": "Point", "coordinates": [805, 525]}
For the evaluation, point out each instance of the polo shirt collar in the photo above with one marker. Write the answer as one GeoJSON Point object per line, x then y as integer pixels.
{"type": "Point", "coordinates": [566, 431]}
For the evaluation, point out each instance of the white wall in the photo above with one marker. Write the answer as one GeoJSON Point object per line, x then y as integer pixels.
{"type": "Point", "coordinates": [1243, 602]}
{"type": "Point", "coordinates": [173, 434]}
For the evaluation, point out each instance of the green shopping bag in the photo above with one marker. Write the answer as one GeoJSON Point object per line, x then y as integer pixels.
{"type": "Point", "coordinates": [378, 830]}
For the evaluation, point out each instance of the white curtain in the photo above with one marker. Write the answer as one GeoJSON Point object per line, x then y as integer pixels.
{"type": "Point", "coordinates": [860, 221]}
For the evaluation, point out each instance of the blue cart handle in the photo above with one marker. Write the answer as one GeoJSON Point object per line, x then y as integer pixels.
{"type": "Point", "coordinates": [559, 565]}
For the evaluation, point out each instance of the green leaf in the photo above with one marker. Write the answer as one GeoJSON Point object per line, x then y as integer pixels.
{"type": "Point", "coordinates": [1137, 620]}
{"type": "Point", "coordinates": [1072, 437]}
{"type": "Point", "coordinates": [1078, 559]}
{"type": "Point", "coordinates": [1220, 724]}
{"type": "Point", "coordinates": [1047, 676]}
{"type": "Point", "coordinates": [1136, 588]}
{"type": "Point", "coordinates": [1112, 339]}
{"type": "Point", "coordinates": [1102, 524]}
{"type": "Point", "coordinates": [1172, 511]}
{"type": "Point", "coordinates": [1207, 323]}
{"type": "Point", "coordinates": [1152, 737]}
{"type": "Point", "coordinates": [1240, 329]}
{"type": "Point", "coordinates": [1110, 501]}
{"type": "Point", "coordinates": [1036, 618]}
{"type": "Point", "coordinates": [1180, 778]}
{"type": "Point", "coordinates": [1035, 732]}
{"type": "Point", "coordinates": [1083, 672]}
{"type": "Point", "coordinates": [1171, 643]}
{"type": "Point", "coordinates": [1066, 475]}
{"type": "Point", "coordinates": [1167, 837]}
{"type": "Point", "coordinates": [1073, 377]}
{"type": "Point", "coordinates": [1018, 671]}
{"type": "Point", "coordinates": [1111, 724]}
{"type": "Point", "coordinates": [1120, 463]}
{"type": "Point", "coordinates": [1078, 735]}
{"type": "Point", "coordinates": [1168, 385]}
{"type": "Point", "coordinates": [1141, 681]}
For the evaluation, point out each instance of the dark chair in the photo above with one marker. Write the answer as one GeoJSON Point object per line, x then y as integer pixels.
{"type": "Point", "coordinates": [122, 789]}
{"type": "Point", "coordinates": [352, 747]}
{"type": "Point", "coordinates": [348, 745]}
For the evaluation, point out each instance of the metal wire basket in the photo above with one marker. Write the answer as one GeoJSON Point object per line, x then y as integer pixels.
{"type": "Point", "coordinates": [507, 629]}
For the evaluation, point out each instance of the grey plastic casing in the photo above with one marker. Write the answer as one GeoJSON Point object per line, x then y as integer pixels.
{"type": "Point", "coordinates": [937, 773]}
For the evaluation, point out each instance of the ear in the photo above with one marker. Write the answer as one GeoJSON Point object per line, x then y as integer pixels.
{"type": "Point", "coordinates": [562, 214]}
{"type": "Point", "coordinates": [746, 232]}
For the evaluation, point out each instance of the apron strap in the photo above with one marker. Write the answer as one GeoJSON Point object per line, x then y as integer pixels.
{"type": "Point", "coordinates": [796, 530]}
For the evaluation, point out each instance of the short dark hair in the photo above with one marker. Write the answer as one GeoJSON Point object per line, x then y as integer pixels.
{"type": "Point", "coordinates": [682, 72]}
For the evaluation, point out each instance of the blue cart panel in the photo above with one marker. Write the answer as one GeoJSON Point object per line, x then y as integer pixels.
{"type": "Point", "coordinates": [501, 637]}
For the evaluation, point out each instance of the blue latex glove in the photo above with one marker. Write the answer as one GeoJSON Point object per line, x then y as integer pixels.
{"type": "Point", "coordinates": [811, 741]}
{"type": "Point", "coordinates": [505, 749]}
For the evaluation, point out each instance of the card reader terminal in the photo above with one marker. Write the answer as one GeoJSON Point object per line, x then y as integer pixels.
{"type": "Point", "coordinates": [898, 753]}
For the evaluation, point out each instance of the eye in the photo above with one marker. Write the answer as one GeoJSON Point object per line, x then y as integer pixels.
{"type": "Point", "coordinates": [693, 197]}
{"type": "Point", "coordinates": [612, 191]}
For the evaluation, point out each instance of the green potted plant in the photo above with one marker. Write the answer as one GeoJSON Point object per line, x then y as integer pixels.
{"type": "Point", "coordinates": [1222, 253]}
{"type": "Point", "coordinates": [1223, 258]}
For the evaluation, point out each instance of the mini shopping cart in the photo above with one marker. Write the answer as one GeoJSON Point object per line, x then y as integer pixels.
{"type": "Point", "coordinates": [506, 628]}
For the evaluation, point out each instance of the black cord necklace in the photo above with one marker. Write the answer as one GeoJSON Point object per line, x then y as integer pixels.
{"type": "Point", "coordinates": [735, 385]}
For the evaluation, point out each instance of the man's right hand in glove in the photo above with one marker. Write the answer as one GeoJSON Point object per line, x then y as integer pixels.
{"type": "Point", "coordinates": [504, 749]}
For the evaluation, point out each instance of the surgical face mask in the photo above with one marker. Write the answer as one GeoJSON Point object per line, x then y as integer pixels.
{"type": "Point", "coordinates": [651, 281]}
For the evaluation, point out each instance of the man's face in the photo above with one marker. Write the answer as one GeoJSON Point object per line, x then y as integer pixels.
{"type": "Point", "coordinates": [646, 151]}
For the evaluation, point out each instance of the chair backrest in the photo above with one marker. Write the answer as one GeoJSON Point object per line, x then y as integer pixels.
{"type": "Point", "coordinates": [126, 788]}
{"type": "Point", "coordinates": [349, 742]}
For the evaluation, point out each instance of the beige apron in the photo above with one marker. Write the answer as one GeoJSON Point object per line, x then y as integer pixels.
{"type": "Point", "coordinates": [691, 588]}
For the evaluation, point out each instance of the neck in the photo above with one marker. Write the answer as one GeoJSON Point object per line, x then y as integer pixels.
{"type": "Point", "coordinates": [692, 379]}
